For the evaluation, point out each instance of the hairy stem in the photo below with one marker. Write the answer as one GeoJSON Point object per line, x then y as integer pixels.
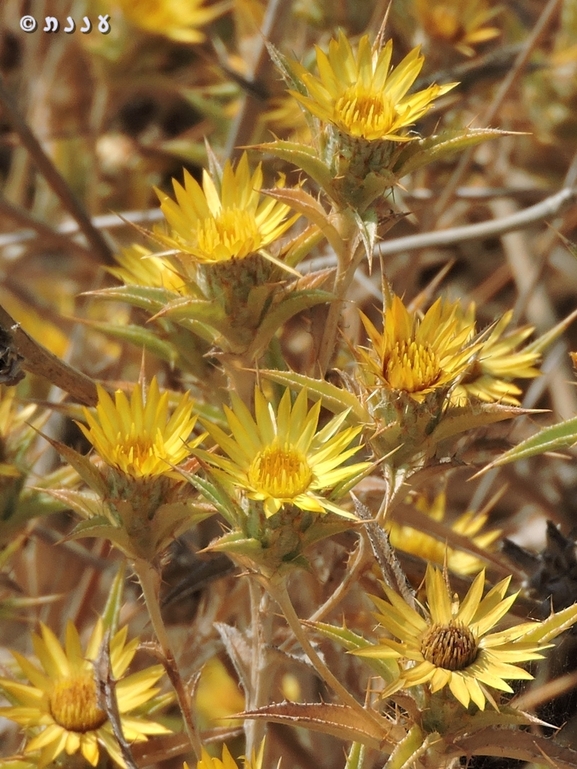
{"type": "Point", "coordinates": [281, 596]}
{"type": "Point", "coordinates": [149, 579]}
{"type": "Point", "coordinates": [261, 618]}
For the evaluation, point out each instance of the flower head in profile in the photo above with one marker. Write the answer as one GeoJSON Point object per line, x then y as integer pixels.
{"type": "Point", "coordinates": [423, 544]}
{"type": "Point", "coordinates": [139, 266]}
{"type": "Point", "coordinates": [279, 457]}
{"type": "Point", "coordinates": [362, 95]}
{"type": "Point", "coordinates": [137, 436]}
{"type": "Point", "coordinates": [61, 704]}
{"type": "Point", "coordinates": [418, 355]}
{"type": "Point", "coordinates": [460, 23]}
{"type": "Point", "coordinates": [453, 646]}
{"type": "Point", "coordinates": [498, 362]}
{"type": "Point", "coordinates": [228, 762]}
{"type": "Point", "coordinates": [233, 223]}
{"type": "Point", "coordinates": [171, 18]}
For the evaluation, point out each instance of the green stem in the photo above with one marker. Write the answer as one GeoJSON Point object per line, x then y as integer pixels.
{"type": "Point", "coordinates": [281, 596]}
{"type": "Point", "coordinates": [350, 578]}
{"type": "Point", "coordinates": [241, 376]}
{"type": "Point", "coordinates": [345, 273]}
{"type": "Point", "coordinates": [261, 680]}
{"type": "Point", "coordinates": [149, 579]}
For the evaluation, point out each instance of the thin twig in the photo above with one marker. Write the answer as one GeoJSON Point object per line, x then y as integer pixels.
{"type": "Point", "coordinates": [261, 680]}
{"type": "Point", "coordinates": [149, 215]}
{"type": "Point", "coordinates": [551, 206]}
{"type": "Point", "coordinates": [250, 106]}
{"type": "Point", "coordinates": [106, 687]}
{"type": "Point", "coordinates": [349, 579]}
{"type": "Point", "coordinates": [149, 580]}
{"type": "Point", "coordinates": [102, 222]}
{"type": "Point", "coordinates": [56, 181]}
{"type": "Point", "coordinates": [50, 237]}
{"type": "Point", "coordinates": [391, 569]}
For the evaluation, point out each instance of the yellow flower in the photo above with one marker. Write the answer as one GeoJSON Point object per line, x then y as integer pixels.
{"type": "Point", "coordinates": [228, 762]}
{"type": "Point", "coordinates": [61, 701]}
{"type": "Point", "coordinates": [362, 95]}
{"type": "Point", "coordinates": [217, 227]}
{"type": "Point", "coordinates": [460, 23]}
{"type": "Point", "coordinates": [419, 542]}
{"type": "Point", "coordinates": [171, 18]}
{"type": "Point", "coordinates": [141, 267]}
{"type": "Point", "coordinates": [417, 355]}
{"type": "Point", "coordinates": [137, 437]}
{"type": "Point", "coordinates": [496, 363]}
{"type": "Point", "coordinates": [279, 458]}
{"type": "Point", "coordinates": [452, 646]}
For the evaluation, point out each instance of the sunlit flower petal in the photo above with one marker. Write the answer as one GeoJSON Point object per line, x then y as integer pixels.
{"type": "Point", "coordinates": [171, 18]}
{"type": "Point", "coordinates": [419, 542]}
{"type": "Point", "coordinates": [279, 457]}
{"type": "Point", "coordinates": [234, 224]}
{"type": "Point", "coordinates": [498, 362]}
{"type": "Point", "coordinates": [460, 23]}
{"type": "Point", "coordinates": [418, 355]}
{"type": "Point", "coordinates": [66, 704]}
{"type": "Point", "coordinates": [359, 93]}
{"type": "Point", "coordinates": [136, 436]}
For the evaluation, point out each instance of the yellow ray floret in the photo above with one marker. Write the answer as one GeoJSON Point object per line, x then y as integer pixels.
{"type": "Point", "coordinates": [208, 762]}
{"type": "Point", "coordinates": [171, 18]}
{"type": "Point", "coordinates": [418, 355]}
{"type": "Point", "coordinates": [452, 646]}
{"type": "Point", "coordinates": [141, 267]}
{"type": "Point", "coordinates": [137, 436]}
{"type": "Point", "coordinates": [61, 701]}
{"type": "Point", "coordinates": [426, 546]}
{"type": "Point", "coordinates": [461, 23]}
{"type": "Point", "coordinates": [498, 362]}
{"type": "Point", "coordinates": [236, 223]}
{"type": "Point", "coordinates": [279, 457]}
{"type": "Point", "coordinates": [362, 95]}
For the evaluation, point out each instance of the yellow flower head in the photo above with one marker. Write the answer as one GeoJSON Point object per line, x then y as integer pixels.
{"type": "Point", "coordinates": [171, 18]}
{"type": "Point", "coordinates": [452, 646]}
{"type": "Point", "coordinates": [424, 545]}
{"type": "Point", "coordinates": [280, 458]}
{"type": "Point", "coordinates": [216, 227]}
{"type": "Point", "coordinates": [141, 267]}
{"type": "Point", "coordinates": [360, 94]}
{"type": "Point", "coordinates": [418, 355]}
{"type": "Point", "coordinates": [137, 436]}
{"type": "Point", "coordinates": [61, 701]}
{"type": "Point", "coordinates": [497, 362]}
{"type": "Point", "coordinates": [460, 23]}
{"type": "Point", "coordinates": [228, 762]}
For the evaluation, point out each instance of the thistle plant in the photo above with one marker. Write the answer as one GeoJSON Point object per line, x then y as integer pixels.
{"type": "Point", "coordinates": [277, 441]}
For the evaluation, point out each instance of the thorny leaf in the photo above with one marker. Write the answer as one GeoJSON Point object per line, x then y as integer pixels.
{"type": "Point", "coordinates": [337, 720]}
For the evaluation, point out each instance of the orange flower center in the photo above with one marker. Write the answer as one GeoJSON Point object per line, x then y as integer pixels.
{"type": "Point", "coordinates": [234, 230]}
{"type": "Point", "coordinates": [73, 704]}
{"type": "Point", "coordinates": [411, 366]}
{"type": "Point", "coordinates": [280, 472]}
{"type": "Point", "coordinates": [452, 646]}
